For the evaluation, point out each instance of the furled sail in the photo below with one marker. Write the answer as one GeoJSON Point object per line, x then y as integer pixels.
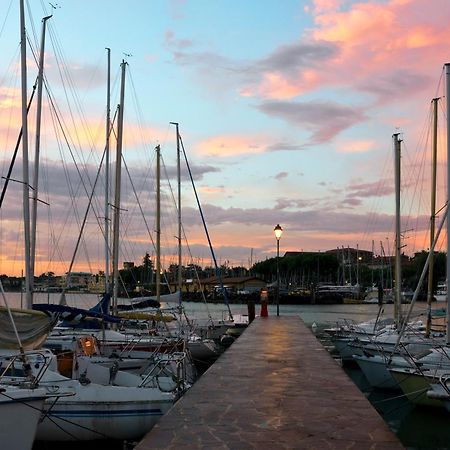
{"type": "Point", "coordinates": [32, 326]}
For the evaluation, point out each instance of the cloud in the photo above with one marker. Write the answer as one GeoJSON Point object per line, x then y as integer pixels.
{"type": "Point", "coordinates": [355, 146]}
{"type": "Point", "coordinates": [379, 188]}
{"type": "Point", "coordinates": [290, 58]}
{"type": "Point", "coordinates": [283, 145]}
{"type": "Point", "coordinates": [352, 202]}
{"type": "Point", "coordinates": [324, 119]}
{"type": "Point", "coordinates": [319, 220]}
{"type": "Point", "coordinates": [289, 203]}
{"type": "Point", "coordinates": [173, 43]}
{"type": "Point", "coordinates": [198, 171]}
{"type": "Point", "coordinates": [228, 146]}
{"type": "Point", "coordinates": [383, 48]}
{"type": "Point", "coordinates": [281, 175]}
{"type": "Point", "coordinates": [382, 45]}
{"type": "Point", "coordinates": [289, 70]}
{"type": "Point", "coordinates": [395, 84]}
{"type": "Point", "coordinates": [60, 181]}
{"type": "Point", "coordinates": [212, 190]}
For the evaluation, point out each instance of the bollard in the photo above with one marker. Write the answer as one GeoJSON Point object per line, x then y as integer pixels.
{"type": "Point", "coordinates": [263, 298]}
{"type": "Point", "coordinates": [251, 310]}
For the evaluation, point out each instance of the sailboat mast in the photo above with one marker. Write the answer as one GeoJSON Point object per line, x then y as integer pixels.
{"type": "Point", "coordinates": [117, 192]}
{"type": "Point", "coordinates": [158, 222]}
{"type": "Point", "coordinates": [37, 152]}
{"type": "Point", "coordinates": [398, 244]}
{"type": "Point", "coordinates": [107, 149]}
{"type": "Point", "coordinates": [432, 217]}
{"type": "Point", "coordinates": [25, 169]}
{"type": "Point", "coordinates": [447, 101]}
{"type": "Point", "coordinates": [180, 279]}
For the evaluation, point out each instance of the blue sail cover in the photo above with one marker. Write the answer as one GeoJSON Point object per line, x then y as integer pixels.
{"type": "Point", "coordinates": [72, 317]}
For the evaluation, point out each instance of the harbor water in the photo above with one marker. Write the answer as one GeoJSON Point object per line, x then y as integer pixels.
{"type": "Point", "coordinates": [416, 427]}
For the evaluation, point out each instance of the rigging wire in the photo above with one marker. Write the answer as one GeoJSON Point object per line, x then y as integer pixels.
{"type": "Point", "coordinates": [218, 272]}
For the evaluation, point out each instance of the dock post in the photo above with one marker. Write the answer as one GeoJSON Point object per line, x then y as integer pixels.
{"type": "Point", "coordinates": [264, 296]}
{"type": "Point", "coordinates": [251, 310]}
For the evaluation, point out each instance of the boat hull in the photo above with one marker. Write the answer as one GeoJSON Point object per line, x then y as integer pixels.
{"type": "Point", "coordinates": [24, 407]}
{"type": "Point", "coordinates": [376, 371]}
{"type": "Point", "coordinates": [415, 387]}
{"type": "Point", "coordinates": [102, 412]}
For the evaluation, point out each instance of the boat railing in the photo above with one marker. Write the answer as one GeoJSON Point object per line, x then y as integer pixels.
{"type": "Point", "coordinates": [171, 365]}
{"type": "Point", "coordinates": [444, 381]}
{"type": "Point", "coordinates": [131, 344]}
{"type": "Point", "coordinates": [18, 367]}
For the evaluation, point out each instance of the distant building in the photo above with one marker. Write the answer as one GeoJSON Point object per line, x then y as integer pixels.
{"type": "Point", "coordinates": [343, 255]}
{"type": "Point", "coordinates": [232, 284]}
{"type": "Point", "coordinates": [77, 280]}
{"type": "Point", "coordinates": [127, 265]}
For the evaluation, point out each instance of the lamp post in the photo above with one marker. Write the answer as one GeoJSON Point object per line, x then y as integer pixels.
{"type": "Point", "coordinates": [278, 232]}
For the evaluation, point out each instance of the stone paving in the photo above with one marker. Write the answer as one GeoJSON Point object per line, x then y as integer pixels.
{"type": "Point", "coordinates": [276, 387]}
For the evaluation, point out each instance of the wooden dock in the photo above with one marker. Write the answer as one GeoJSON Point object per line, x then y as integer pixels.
{"type": "Point", "coordinates": [276, 387]}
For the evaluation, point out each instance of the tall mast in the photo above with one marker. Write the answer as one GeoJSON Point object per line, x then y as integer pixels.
{"type": "Point", "coordinates": [432, 217]}
{"type": "Point", "coordinates": [447, 99]}
{"type": "Point", "coordinates": [180, 278]}
{"type": "Point", "coordinates": [349, 265]}
{"type": "Point", "coordinates": [357, 265]}
{"type": "Point", "coordinates": [398, 244]}
{"type": "Point", "coordinates": [373, 259]}
{"type": "Point", "coordinates": [158, 223]}
{"type": "Point", "coordinates": [107, 148]}
{"type": "Point", "coordinates": [25, 173]}
{"type": "Point", "coordinates": [37, 153]}
{"type": "Point", "coordinates": [117, 191]}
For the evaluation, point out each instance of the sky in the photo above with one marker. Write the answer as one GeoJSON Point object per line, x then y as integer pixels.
{"type": "Point", "coordinates": [286, 112]}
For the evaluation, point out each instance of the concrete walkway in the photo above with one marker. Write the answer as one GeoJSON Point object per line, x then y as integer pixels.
{"type": "Point", "coordinates": [276, 387]}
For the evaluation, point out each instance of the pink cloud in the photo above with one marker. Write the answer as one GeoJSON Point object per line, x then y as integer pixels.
{"type": "Point", "coordinates": [379, 37]}
{"type": "Point", "coordinates": [227, 146]}
{"type": "Point", "coordinates": [376, 47]}
{"type": "Point", "coordinates": [353, 146]}
{"type": "Point", "coordinates": [275, 85]}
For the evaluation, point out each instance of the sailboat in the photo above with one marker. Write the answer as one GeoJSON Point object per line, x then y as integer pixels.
{"type": "Point", "coordinates": [403, 344]}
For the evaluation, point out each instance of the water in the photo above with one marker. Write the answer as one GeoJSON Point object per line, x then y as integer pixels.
{"type": "Point", "coordinates": [418, 428]}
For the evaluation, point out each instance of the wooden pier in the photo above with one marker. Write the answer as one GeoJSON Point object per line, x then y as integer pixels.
{"type": "Point", "coordinates": [276, 387]}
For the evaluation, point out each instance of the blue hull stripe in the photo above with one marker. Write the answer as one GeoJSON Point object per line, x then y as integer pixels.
{"type": "Point", "coordinates": [106, 413]}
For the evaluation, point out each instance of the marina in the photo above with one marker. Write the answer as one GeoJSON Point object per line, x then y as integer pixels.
{"type": "Point", "coordinates": [398, 414]}
{"type": "Point", "coordinates": [144, 300]}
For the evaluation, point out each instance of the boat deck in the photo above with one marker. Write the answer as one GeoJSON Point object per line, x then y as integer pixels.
{"type": "Point", "coordinates": [276, 387]}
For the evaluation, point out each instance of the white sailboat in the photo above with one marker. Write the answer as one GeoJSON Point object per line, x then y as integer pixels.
{"type": "Point", "coordinates": [97, 411]}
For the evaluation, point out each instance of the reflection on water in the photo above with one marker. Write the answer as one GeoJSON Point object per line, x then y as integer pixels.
{"type": "Point", "coordinates": [416, 427]}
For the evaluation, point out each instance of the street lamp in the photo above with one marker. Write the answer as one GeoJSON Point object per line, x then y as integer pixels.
{"type": "Point", "coordinates": [278, 232]}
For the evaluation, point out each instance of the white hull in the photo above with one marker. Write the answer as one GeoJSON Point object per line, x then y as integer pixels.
{"type": "Point", "coordinates": [103, 412]}
{"type": "Point", "coordinates": [203, 350]}
{"type": "Point", "coordinates": [376, 371]}
{"type": "Point", "coordinates": [20, 410]}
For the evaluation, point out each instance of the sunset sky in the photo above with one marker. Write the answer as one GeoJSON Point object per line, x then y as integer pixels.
{"type": "Point", "coordinates": [286, 111]}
